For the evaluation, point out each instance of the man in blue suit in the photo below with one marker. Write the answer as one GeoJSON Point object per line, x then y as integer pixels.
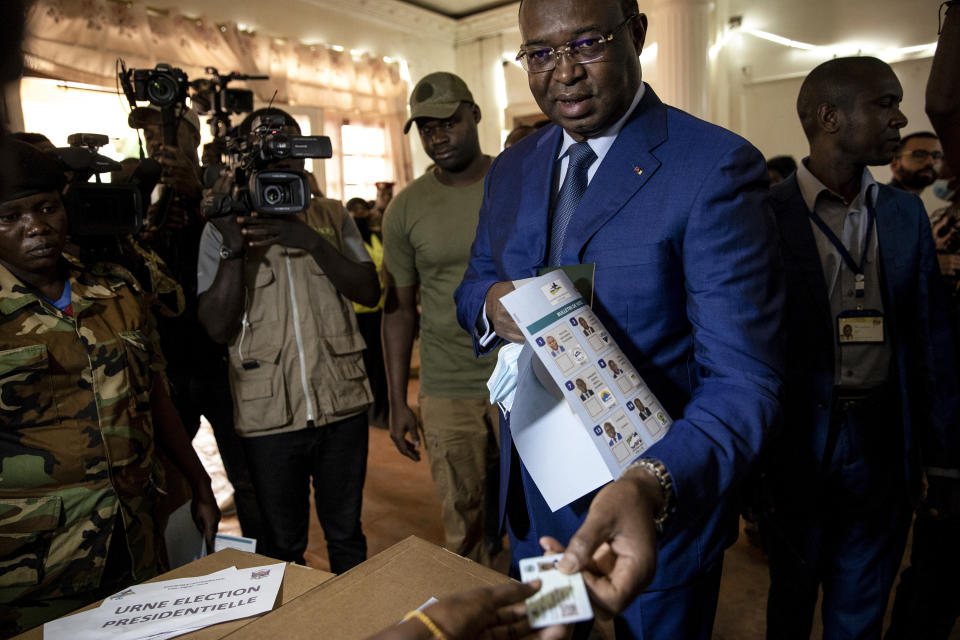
{"type": "Point", "coordinates": [871, 389]}
{"type": "Point", "coordinates": [673, 213]}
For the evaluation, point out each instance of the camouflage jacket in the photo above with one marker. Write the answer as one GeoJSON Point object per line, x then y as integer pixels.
{"type": "Point", "coordinates": [76, 434]}
{"type": "Point", "coordinates": [163, 291]}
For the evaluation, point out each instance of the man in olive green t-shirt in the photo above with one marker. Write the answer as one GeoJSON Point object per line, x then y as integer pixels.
{"type": "Point", "coordinates": [427, 232]}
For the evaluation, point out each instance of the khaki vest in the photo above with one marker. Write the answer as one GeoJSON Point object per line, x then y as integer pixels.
{"type": "Point", "coordinates": [298, 356]}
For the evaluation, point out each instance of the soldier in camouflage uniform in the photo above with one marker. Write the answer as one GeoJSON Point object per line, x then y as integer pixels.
{"type": "Point", "coordinates": [82, 403]}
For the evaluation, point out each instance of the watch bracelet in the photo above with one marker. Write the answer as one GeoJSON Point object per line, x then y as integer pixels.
{"type": "Point", "coordinates": [658, 471]}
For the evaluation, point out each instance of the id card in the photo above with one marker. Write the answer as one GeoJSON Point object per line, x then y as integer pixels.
{"type": "Point", "coordinates": [562, 599]}
{"type": "Point", "coordinates": [860, 327]}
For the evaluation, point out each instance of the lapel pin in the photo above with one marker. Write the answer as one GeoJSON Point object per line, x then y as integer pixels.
{"type": "Point", "coordinates": [638, 170]}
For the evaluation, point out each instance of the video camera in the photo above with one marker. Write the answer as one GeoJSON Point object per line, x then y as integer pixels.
{"type": "Point", "coordinates": [256, 187]}
{"type": "Point", "coordinates": [97, 208]}
{"type": "Point", "coordinates": [211, 96]}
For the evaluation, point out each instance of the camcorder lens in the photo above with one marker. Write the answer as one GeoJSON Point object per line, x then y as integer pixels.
{"type": "Point", "coordinates": [273, 194]}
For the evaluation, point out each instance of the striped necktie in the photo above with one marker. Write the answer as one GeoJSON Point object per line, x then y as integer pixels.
{"type": "Point", "coordinates": [574, 185]}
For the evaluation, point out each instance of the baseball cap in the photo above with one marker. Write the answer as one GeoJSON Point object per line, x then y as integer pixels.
{"type": "Point", "coordinates": [141, 117]}
{"type": "Point", "coordinates": [437, 95]}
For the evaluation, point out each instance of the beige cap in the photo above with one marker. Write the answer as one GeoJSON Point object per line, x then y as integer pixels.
{"type": "Point", "coordinates": [141, 117]}
{"type": "Point", "coordinates": [437, 95]}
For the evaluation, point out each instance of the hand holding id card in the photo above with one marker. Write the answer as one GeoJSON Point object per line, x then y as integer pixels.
{"type": "Point", "coordinates": [562, 598]}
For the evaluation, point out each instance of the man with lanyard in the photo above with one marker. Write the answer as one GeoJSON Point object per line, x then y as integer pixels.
{"type": "Point", "coordinates": [871, 383]}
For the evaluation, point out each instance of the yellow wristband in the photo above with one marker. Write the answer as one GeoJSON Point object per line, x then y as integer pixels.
{"type": "Point", "coordinates": [427, 622]}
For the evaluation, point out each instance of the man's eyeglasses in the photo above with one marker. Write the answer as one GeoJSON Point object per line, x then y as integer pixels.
{"type": "Point", "coordinates": [922, 154]}
{"type": "Point", "coordinates": [579, 51]}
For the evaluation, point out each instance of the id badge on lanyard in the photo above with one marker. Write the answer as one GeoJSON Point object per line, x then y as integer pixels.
{"type": "Point", "coordinates": [860, 325]}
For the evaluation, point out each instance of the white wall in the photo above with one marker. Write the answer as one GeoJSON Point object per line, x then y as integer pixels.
{"type": "Point", "coordinates": [753, 82]}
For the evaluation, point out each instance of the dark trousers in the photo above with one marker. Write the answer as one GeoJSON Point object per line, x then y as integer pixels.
{"type": "Point", "coordinates": [840, 523]}
{"type": "Point", "coordinates": [208, 394]}
{"type": "Point", "coordinates": [369, 325]}
{"type": "Point", "coordinates": [928, 596]}
{"type": "Point", "coordinates": [332, 456]}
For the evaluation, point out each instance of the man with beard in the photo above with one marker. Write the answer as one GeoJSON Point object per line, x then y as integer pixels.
{"type": "Point", "coordinates": [428, 229]}
{"type": "Point", "coordinates": [928, 596]}
{"type": "Point", "coordinates": [917, 162]}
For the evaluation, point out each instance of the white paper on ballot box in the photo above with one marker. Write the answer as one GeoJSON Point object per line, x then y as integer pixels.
{"type": "Point", "coordinates": [581, 412]}
{"type": "Point", "coordinates": [169, 608]}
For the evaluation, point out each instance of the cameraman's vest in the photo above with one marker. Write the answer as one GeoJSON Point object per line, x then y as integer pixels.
{"type": "Point", "coordinates": [297, 358]}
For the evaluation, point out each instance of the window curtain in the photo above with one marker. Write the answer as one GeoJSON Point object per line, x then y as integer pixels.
{"type": "Point", "coordinates": [80, 41]}
{"type": "Point", "coordinates": [397, 145]}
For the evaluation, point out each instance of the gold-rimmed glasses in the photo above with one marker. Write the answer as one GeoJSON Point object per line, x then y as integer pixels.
{"type": "Point", "coordinates": [580, 51]}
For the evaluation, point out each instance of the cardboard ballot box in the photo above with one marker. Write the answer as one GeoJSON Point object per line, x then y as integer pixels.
{"type": "Point", "coordinates": [374, 595]}
{"type": "Point", "coordinates": [297, 580]}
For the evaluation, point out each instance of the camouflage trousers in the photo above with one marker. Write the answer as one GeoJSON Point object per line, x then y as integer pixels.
{"type": "Point", "coordinates": [19, 616]}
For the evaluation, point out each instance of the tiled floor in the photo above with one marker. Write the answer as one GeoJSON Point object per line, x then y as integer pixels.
{"type": "Point", "coordinates": [399, 501]}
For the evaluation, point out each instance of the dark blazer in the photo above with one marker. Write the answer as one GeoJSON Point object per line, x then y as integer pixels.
{"type": "Point", "coordinates": [916, 320]}
{"type": "Point", "coordinates": [687, 282]}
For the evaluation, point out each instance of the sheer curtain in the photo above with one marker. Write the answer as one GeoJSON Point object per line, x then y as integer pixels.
{"type": "Point", "coordinates": [80, 41]}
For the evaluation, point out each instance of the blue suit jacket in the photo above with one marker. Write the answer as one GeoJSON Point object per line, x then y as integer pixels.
{"type": "Point", "coordinates": [917, 324]}
{"type": "Point", "coordinates": [687, 281]}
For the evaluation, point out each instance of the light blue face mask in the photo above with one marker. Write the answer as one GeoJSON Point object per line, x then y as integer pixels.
{"type": "Point", "coordinates": [503, 381]}
{"type": "Point", "coordinates": [941, 189]}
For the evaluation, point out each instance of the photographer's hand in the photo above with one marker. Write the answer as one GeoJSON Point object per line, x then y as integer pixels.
{"type": "Point", "coordinates": [221, 306]}
{"type": "Point", "coordinates": [231, 231]}
{"type": "Point", "coordinates": [180, 172]}
{"type": "Point", "coordinates": [175, 217]}
{"type": "Point", "coordinates": [357, 281]}
{"type": "Point", "coordinates": [286, 231]}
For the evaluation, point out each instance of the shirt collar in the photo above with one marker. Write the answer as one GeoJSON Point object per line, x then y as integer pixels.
{"type": "Point", "coordinates": [811, 187]}
{"type": "Point", "coordinates": [602, 142]}
{"type": "Point", "coordinates": [14, 294]}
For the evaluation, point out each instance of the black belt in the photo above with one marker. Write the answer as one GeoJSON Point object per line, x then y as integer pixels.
{"type": "Point", "coordinates": [847, 399]}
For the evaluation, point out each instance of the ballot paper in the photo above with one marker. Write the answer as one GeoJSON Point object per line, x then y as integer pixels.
{"type": "Point", "coordinates": [562, 598]}
{"type": "Point", "coordinates": [581, 413]}
{"type": "Point", "coordinates": [169, 608]}
{"type": "Point", "coordinates": [223, 541]}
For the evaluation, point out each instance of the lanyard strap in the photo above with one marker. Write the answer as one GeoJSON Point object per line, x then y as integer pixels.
{"type": "Point", "coordinates": [842, 250]}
